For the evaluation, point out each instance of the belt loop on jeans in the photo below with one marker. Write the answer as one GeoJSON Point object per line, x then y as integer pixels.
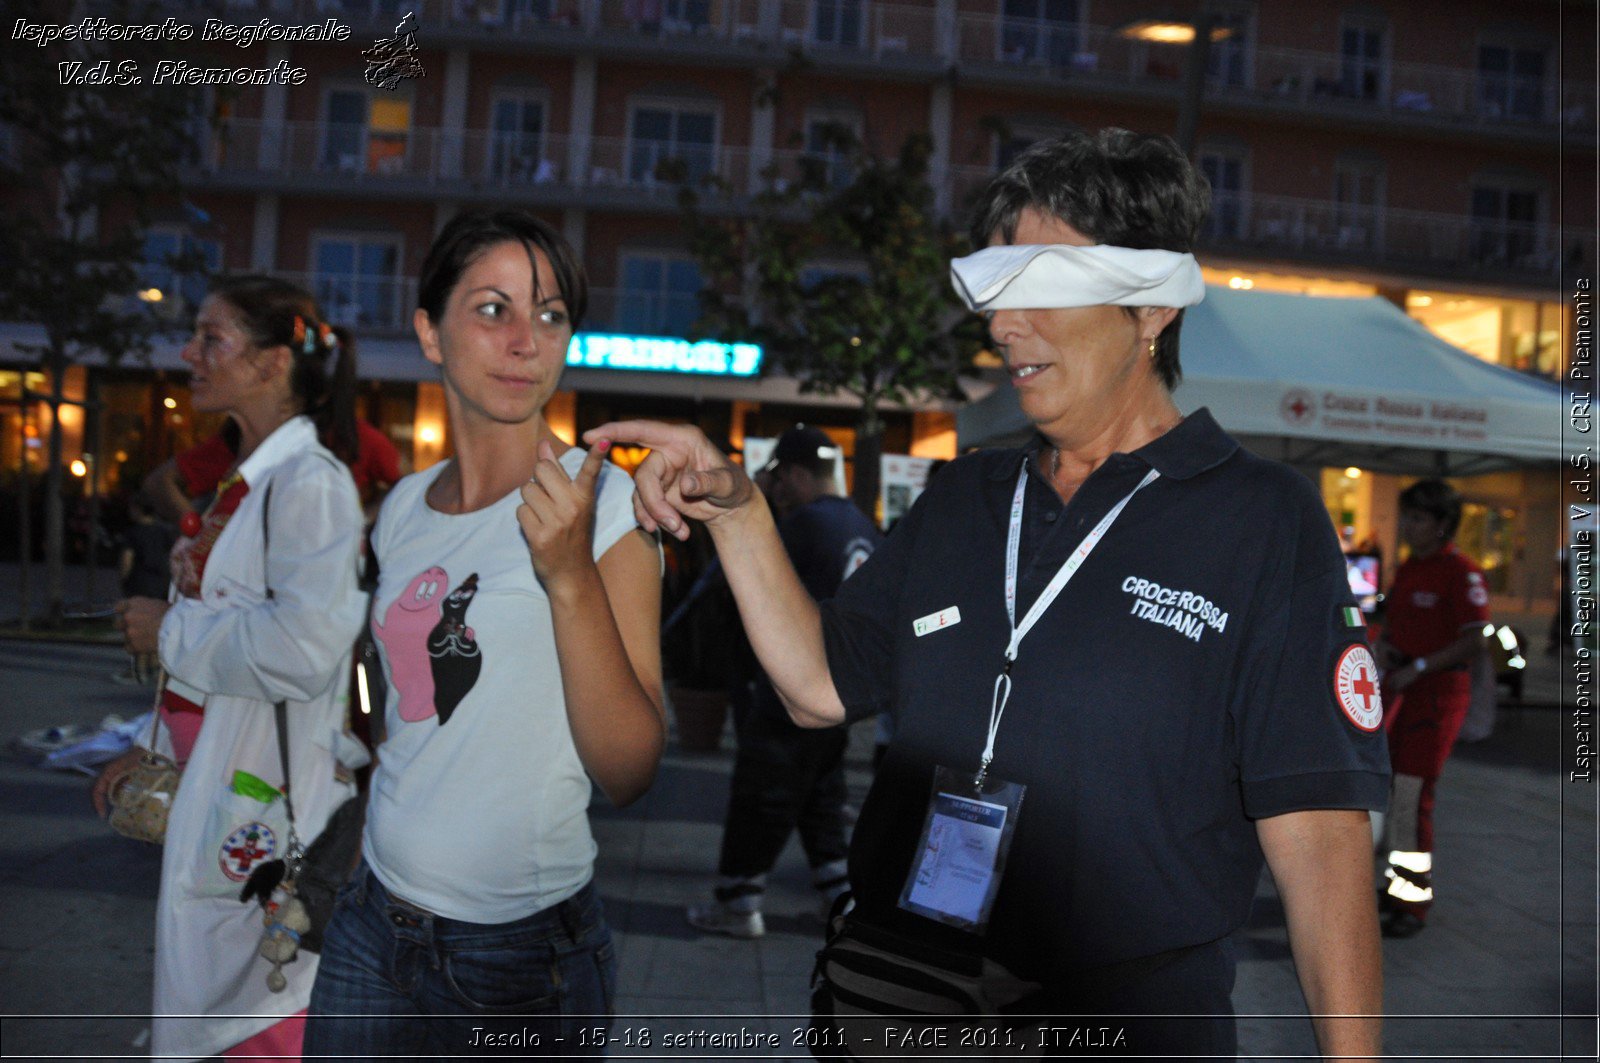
{"type": "Point", "coordinates": [571, 920]}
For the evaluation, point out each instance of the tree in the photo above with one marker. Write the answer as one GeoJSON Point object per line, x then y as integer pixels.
{"type": "Point", "coordinates": [92, 153]}
{"type": "Point", "coordinates": [890, 331]}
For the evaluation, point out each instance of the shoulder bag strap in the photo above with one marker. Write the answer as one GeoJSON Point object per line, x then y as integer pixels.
{"type": "Point", "coordinates": [280, 709]}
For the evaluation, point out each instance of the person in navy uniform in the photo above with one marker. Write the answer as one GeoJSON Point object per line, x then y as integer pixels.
{"type": "Point", "coordinates": [788, 778]}
{"type": "Point", "coordinates": [1123, 661]}
{"type": "Point", "coordinates": [1433, 632]}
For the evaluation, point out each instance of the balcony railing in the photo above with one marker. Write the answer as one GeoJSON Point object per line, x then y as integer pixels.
{"type": "Point", "coordinates": [875, 31]}
{"type": "Point", "coordinates": [1307, 78]}
{"type": "Point", "coordinates": [1374, 235]}
{"type": "Point", "coordinates": [1393, 235]}
{"type": "Point", "coordinates": [483, 158]}
{"type": "Point", "coordinates": [365, 303]}
{"type": "Point", "coordinates": [633, 169]}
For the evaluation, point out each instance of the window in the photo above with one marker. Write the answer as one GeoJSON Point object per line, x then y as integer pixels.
{"type": "Point", "coordinates": [365, 134]}
{"type": "Point", "coordinates": [1228, 60]}
{"type": "Point", "coordinates": [665, 137]}
{"type": "Point", "coordinates": [178, 265]}
{"type": "Point", "coordinates": [1511, 81]}
{"type": "Point", "coordinates": [1505, 225]}
{"type": "Point", "coordinates": [1358, 203]}
{"type": "Point", "coordinates": [831, 140]}
{"type": "Point", "coordinates": [1363, 62]}
{"type": "Point", "coordinates": [1039, 31]}
{"type": "Point", "coordinates": [660, 295]}
{"type": "Point", "coordinates": [358, 280]}
{"type": "Point", "coordinates": [836, 23]}
{"type": "Point", "coordinates": [1226, 172]}
{"type": "Point", "coordinates": [516, 141]}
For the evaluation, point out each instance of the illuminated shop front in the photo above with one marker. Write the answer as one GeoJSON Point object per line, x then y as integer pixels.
{"type": "Point", "coordinates": [121, 422]}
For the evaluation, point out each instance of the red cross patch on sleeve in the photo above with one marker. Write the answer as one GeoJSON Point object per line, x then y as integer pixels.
{"type": "Point", "coordinates": [1355, 687]}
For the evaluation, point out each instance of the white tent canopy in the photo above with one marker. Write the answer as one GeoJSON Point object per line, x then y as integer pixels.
{"type": "Point", "coordinates": [1340, 382]}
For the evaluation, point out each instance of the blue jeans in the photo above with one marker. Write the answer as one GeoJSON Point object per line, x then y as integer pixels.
{"type": "Point", "coordinates": [398, 981]}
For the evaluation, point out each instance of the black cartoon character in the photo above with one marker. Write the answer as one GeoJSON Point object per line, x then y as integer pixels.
{"type": "Point", "coordinates": [454, 652]}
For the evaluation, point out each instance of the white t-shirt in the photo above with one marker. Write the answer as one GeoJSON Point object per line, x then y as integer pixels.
{"type": "Point", "coordinates": [479, 805]}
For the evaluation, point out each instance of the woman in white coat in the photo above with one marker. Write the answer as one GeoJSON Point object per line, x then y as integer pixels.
{"type": "Point", "coordinates": [265, 609]}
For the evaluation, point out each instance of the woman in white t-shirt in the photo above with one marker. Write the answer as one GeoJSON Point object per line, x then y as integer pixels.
{"type": "Point", "coordinates": [517, 615]}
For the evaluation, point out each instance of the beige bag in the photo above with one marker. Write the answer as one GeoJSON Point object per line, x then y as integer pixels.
{"type": "Point", "coordinates": [142, 798]}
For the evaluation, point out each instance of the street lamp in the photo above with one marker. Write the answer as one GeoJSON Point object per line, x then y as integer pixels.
{"type": "Point", "coordinates": [1196, 32]}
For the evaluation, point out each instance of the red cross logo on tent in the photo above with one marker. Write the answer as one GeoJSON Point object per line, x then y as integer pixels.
{"type": "Point", "coordinates": [1355, 687]}
{"type": "Point", "coordinates": [1298, 406]}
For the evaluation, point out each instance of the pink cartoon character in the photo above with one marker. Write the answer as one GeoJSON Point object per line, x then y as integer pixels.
{"type": "Point", "coordinates": [404, 634]}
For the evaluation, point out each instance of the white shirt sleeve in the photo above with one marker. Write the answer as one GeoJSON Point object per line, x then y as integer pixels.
{"type": "Point", "coordinates": [291, 646]}
{"type": "Point", "coordinates": [613, 510]}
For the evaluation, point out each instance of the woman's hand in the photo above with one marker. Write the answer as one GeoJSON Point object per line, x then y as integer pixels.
{"type": "Point", "coordinates": [100, 794]}
{"type": "Point", "coordinates": [557, 514]}
{"type": "Point", "coordinates": [139, 620]}
{"type": "Point", "coordinates": [684, 476]}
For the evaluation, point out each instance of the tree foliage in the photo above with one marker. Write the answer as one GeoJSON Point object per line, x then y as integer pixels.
{"type": "Point", "coordinates": [86, 165]}
{"type": "Point", "coordinates": [841, 273]}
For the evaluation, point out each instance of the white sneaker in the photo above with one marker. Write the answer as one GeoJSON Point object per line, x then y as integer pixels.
{"type": "Point", "coordinates": [718, 918]}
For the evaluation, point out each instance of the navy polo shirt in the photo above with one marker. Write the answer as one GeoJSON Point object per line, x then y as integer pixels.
{"type": "Point", "coordinates": [1184, 684]}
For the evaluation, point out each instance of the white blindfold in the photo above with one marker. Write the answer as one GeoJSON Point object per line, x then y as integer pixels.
{"type": "Point", "coordinates": [1046, 276]}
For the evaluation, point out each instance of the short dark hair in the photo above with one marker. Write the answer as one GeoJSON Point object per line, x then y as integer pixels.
{"type": "Point", "coordinates": [322, 371]}
{"type": "Point", "coordinates": [472, 232]}
{"type": "Point", "coordinates": [1437, 499]}
{"type": "Point", "coordinates": [1116, 187]}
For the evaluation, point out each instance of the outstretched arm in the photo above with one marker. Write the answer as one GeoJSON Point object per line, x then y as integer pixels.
{"type": "Point", "coordinates": [687, 478]}
{"type": "Point", "coordinates": [607, 618]}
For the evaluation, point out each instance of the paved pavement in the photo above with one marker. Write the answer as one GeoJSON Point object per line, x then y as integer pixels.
{"type": "Point", "coordinates": [1510, 950]}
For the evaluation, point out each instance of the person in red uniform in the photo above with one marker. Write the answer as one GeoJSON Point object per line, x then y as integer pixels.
{"type": "Point", "coordinates": [174, 484]}
{"type": "Point", "coordinates": [1438, 606]}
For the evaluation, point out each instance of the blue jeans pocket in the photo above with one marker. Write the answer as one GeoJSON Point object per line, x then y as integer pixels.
{"type": "Point", "coordinates": [520, 978]}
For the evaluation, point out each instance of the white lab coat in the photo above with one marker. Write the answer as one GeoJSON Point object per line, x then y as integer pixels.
{"type": "Point", "coordinates": [246, 652]}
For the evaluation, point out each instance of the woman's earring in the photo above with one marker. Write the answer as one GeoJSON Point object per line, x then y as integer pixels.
{"type": "Point", "coordinates": [1152, 346]}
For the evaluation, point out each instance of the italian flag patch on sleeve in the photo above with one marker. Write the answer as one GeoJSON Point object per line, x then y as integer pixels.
{"type": "Point", "coordinates": [1352, 617]}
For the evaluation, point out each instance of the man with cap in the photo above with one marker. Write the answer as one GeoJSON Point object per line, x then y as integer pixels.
{"type": "Point", "coordinates": [786, 777]}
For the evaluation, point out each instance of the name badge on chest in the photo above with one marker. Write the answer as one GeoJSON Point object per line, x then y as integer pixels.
{"type": "Point", "coordinates": [961, 855]}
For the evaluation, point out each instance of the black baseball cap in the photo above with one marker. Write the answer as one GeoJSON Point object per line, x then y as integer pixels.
{"type": "Point", "coordinates": [802, 445]}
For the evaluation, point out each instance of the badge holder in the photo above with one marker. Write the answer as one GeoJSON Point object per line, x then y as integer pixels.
{"type": "Point", "coordinates": [961, 854]}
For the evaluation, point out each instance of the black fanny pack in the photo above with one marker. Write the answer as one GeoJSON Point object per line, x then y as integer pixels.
{"type": "Point", "coordinates": [875, 992]}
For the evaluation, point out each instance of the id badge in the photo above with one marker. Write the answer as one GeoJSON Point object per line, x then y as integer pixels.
{"type": "Point", "coordinates": [961, 855]}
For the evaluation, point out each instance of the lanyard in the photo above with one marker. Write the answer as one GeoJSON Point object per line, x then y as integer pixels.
{"type": "Point", "coordinates": [1069, 568]}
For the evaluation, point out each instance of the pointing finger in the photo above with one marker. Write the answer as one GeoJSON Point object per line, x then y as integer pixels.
{"type": "Point", "coordinates": [590, 471]}
{"type": "Point", "coordinates": [651, 434]}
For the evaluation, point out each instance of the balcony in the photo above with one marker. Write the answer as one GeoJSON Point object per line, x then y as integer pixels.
{"type": "Point", "coordinates": [352, 159]}
{"type": "Point", "coordinates": [1013, 50]}
{"type": "Point", "coordinates": [366, 304]}
{"type": "Point", "coordinates": [1388, 238]}
{"type": "Point", "coordinates": [1392, 238]}
{"type": "Point", "coordinates": [632, 174]}
{"type": "Point", "coordinates": [890, 39]}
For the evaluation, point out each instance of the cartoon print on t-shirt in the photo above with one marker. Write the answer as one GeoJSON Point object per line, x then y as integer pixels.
{"type": "Point", "coordinates": [404, 633]}
{"type": "Point", "coordinates": [454, 652]}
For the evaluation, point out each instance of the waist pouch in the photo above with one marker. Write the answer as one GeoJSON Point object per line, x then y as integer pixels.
{"type": "Point", "coordinates": [876, 993]}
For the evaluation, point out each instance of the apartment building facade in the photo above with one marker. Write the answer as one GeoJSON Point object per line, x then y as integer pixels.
{"type": "Point", "coordinates": [1439, 154]}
